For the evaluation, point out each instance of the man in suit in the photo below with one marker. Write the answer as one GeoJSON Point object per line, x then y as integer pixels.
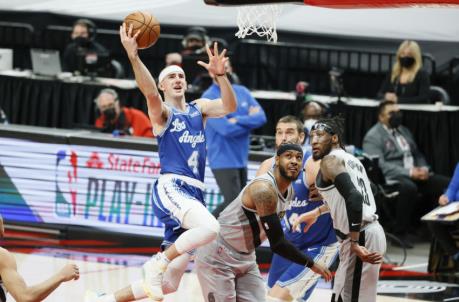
{"type": "Point", "coordinates": [401, 160]}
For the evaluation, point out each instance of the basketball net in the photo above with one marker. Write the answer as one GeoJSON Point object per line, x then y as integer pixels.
{"type": "Point", "coordinates": [258, 19]}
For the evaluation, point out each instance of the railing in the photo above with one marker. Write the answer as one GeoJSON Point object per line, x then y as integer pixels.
{"type": "Point", "coordinates": [279, 66]}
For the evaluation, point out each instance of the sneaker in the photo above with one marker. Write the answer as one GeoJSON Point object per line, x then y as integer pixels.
{"type": "Point", "coordinates": [153, 271]}
{"type": "Point", "coordinates": [91, 296]}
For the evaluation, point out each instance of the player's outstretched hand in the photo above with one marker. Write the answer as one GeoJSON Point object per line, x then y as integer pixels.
{"type": "Point", "coordinates": [309, 218]}
{"type": "Point", "coordinates": [322, 270]}
{"type": "Point", "coordinates": [365, 255]}
{"type": "Point", "coordinates": [217, 61]}
{"type": "Point", "coordinates": [129, 40]}
{"type": "Point", "coordinates": [69, 272]}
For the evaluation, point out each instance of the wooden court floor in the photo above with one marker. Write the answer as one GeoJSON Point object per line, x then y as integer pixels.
{"type": "Point", "coordinates": [104, 273]}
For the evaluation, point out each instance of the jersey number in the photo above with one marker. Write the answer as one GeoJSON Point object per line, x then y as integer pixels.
{"type": "Point", "coordinates": [193, 162]}
{"type": "Point", "coordinates": [363, 191]}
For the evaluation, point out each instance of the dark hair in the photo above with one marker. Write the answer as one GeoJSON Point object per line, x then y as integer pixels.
{"type": "Point", "coordinates": [294, 120]}
{"type": "Point", "coordinates": [336, 123]}
{"type": "Point", "coordinates": [383, 106]}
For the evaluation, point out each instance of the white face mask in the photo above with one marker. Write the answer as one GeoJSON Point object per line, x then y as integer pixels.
{"type": "Point", "coordinates": [309, 123]}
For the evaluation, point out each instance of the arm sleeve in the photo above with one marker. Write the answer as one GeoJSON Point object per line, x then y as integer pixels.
{"type": "Point", "coordinates": [422, 85]}
{"type": "Point", "coordinates": [372, 145]}
{"type": "Point", "coordinates": [279, 245]}
{"type": "Point", "coordinates": [353, 199]}
{"type": "Point", "coordinates": [453, 187]}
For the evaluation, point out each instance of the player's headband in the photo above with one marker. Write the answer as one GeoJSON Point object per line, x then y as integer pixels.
{"type": "Point", "coordinates": [324, 127]}
{"type": "Point", "coordinates": [288, 147]}
{"type": "Point", "coordinates": [168, 70]}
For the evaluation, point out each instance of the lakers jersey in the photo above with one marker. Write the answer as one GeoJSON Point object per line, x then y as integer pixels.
{"type": "Point", "coordinates": [321, 232]}
{"type": "Point", "coordinates": [182, 144]}
{"type": "Point", "coordinates": [240, 227]}
{"type": "Point", "coordinates": [336, 202]}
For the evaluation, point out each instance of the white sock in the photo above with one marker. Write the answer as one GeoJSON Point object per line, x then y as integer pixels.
{"type": "Point", "coordinates": [138, 290]}
{"type": "Point", "coordinates": [174, 273]}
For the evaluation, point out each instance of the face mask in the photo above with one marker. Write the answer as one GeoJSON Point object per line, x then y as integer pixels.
{"type": "Point", "coordinates": [395, 120]}
{"type": "Point", "coordinates": [309, 123]}
{"type": "Point", "coordinates": [110, 114]}
{"type": "Point", "coordinates": [81, 41]}
{"type": "Point", "coordinates": [406, 62]}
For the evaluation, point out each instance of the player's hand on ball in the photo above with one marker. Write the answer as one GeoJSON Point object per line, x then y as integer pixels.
{"type": "Point", "coordinates": [70, 272]}
{"type": "Point", "coordinates": [365, 255]}
{"type": "Point", "coordinates": [129, 40]}
{"type": "Point", "coordinates": [322, 270]}
{"type": "Point", "coordinates": [217, 61]}
{"type": "Point", "coordinates": [309, 218]}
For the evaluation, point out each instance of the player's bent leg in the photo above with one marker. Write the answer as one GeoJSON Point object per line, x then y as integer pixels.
{"type": "Point", "coordinates": [202, 228]}
{"type": "Point", "coordinates": [298, 282]}
{"type": "Point", "coordinates": [215, 277]}
{"type": "Point", "coordinates": [174, 273]}
{"type": "Point", "coordinates": [250, 286]}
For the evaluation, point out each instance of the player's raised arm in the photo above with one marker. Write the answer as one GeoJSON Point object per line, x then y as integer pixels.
{"type": "Point", "coordinates": [216, 66]}
{"type": "Point", "coordinates": [265, 200]}
{"type": "Point", "coordinates": [156, 109]}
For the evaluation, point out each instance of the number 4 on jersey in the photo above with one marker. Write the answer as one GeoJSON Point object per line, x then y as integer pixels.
{"type": "Point", "coordinates": [193, 162]}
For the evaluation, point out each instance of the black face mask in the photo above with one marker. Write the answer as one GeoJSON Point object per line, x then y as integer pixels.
{"type": "Point", "coordinates": [109, 114]}
{"type": "Point", "coordinates": [406, 62]}
{"type": "Point", "coordinates": [395, 120]}
{"type": "Point", "coordinates": [81, 41]}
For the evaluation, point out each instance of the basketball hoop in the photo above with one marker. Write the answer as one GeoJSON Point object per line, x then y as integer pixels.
{"type": "Point", "coordinates": [258, 19]}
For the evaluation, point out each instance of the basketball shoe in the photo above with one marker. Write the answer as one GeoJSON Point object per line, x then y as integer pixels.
{"type": "Point", "coordinates": [153, 272]}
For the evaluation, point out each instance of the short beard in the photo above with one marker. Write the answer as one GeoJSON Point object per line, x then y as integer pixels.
{"type": "Point", "coordinates": [284, 174]}
{"type": "Point", "coordinates": [321, 155]}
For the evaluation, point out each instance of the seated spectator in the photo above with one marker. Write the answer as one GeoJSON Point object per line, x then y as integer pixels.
{"type": "Point", "coordinates": [194, 42]}
{"type": "Point", "coordinates": [228, 140]}
{"type": "Point", "coordinates": [442, 232]}
{"type": "Point", "coordinates": [401, 160]}
{"type": "Point", "coordinates": [122, 120]}
{"type": "Point", "coordinates": [84, 55]}
{"type": "Point", "coordinates": [407, 83]}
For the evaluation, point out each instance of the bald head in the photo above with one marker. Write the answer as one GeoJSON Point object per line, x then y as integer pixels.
{"type": "Point", "coordinates": [312, 110]}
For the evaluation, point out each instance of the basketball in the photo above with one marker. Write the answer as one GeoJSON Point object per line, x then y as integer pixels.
{"type": "Point", "coordinates": [147, 25]}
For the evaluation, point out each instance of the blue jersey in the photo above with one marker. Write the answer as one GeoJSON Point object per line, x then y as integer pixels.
{"type": "Point", "coordinates": [321, 232]}
{"type": "Point", "coordinates": [182, 144]}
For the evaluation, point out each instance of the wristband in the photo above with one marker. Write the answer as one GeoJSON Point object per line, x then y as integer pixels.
{"type": "Point", "coordinates": [354, 241]}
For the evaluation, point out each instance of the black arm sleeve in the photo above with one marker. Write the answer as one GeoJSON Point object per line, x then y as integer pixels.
{"type": "Point", "coordinates": [353, 199]}
{"type": "Point", "coordinates": [280, 245]}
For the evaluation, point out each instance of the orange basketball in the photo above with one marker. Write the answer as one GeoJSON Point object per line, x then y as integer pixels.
{"type": "Point", "coordinates": [147, 25]}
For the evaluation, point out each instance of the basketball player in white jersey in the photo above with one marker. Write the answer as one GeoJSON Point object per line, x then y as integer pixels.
{"type": "Point", "coordinates": [344, 185]}
{"type": "Point", "coordinates": [227, 268]}
{"type": "Point", "coordinates": [178, 199]}
{"type": "Point", "coordinates": [12, 282]}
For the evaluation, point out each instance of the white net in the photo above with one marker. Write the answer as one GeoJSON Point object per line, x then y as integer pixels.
{"type": "Point", "coordinates": [258, 19]}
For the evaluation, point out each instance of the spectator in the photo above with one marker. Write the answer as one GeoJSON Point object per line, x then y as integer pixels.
{"type": "Point", "coordinates": [312, 112]}
{"type": "Point", "coordinates": [173, 58]}
{"type": "Point", "coordinates": [407, 83]}
{"type": "Point", "coordinates": [401, 160]}
{"type": "Point", "coordinates": [195, 41]}
{"type": "Point", "coordinates": [84, 55]}
{"type": "Point", "coordinates": [228, 141]}
{"type": "Point", "coordinates": [113, 117]}
{"type": "Point", "coordinates": [12, 282]}
{"type": "Point", "coordinates": [442, 232]}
